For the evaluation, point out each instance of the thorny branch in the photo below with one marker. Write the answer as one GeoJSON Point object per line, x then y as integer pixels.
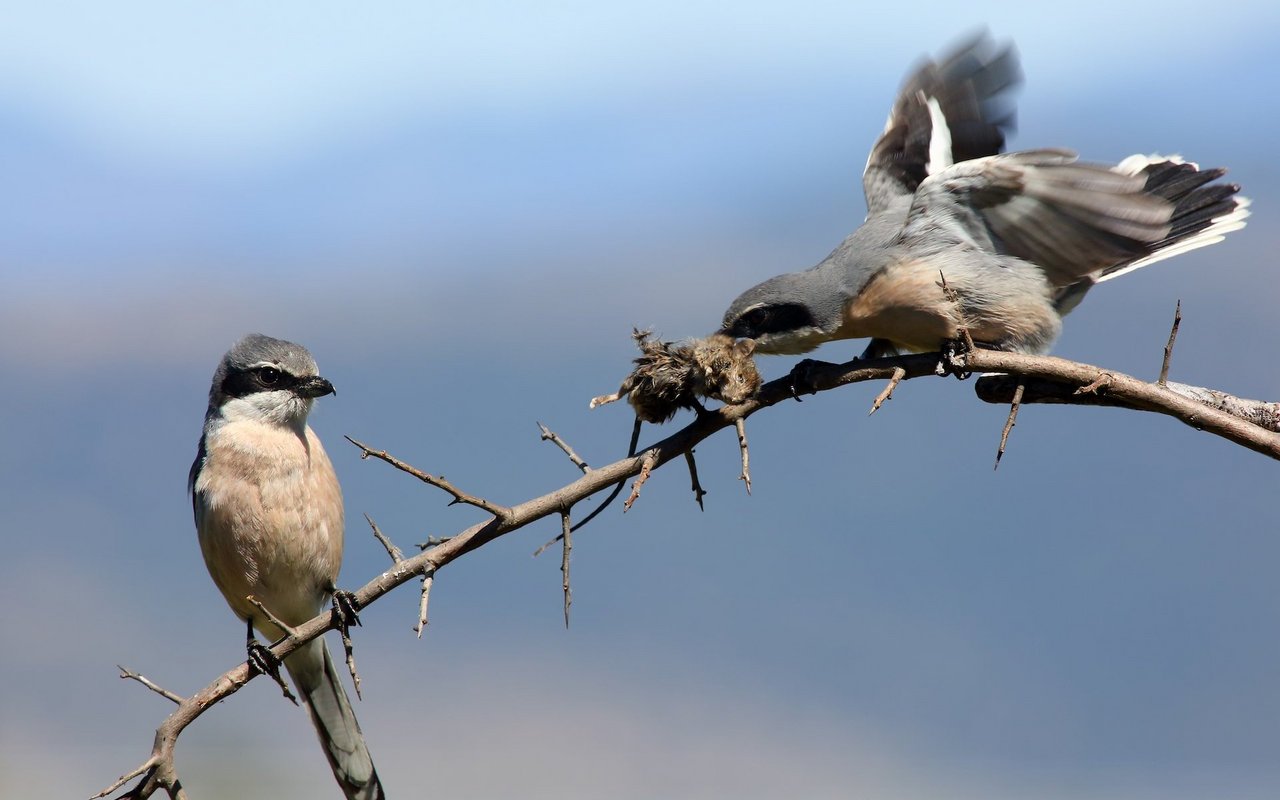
{"type": "Point", "coordinates": [648, 461]}
{"type": "Point", "coordinates": [150, 684]}
{"type": "Point", "coordinates": [425, 598]}
{"type": "Point", "coordinates": [1045, 378]}
{"type": "Point", "coordinates": [566, 535]}
{"type": "Point", "coordinates": [396, 555]}
{"type": "Point", "coordinates": [1014, 404]}
{"type": "Point", "coordinates": [459, 496]}
{"type": "Point", "coordinates": [549, 435]}
{"type": "Point", "coordinates": [887, 393]}
{"type": "Point", "coordinates": [1168, 348]}
{"type": "Point", "coordinates": [745, 477]}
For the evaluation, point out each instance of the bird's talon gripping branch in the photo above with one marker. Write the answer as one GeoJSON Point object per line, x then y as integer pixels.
{"type": "Point", "coordinates": [344, 614]}
{"type": "Point", "coordinates": [263, 662]}
{"type": "Point", "coordinates": [345, 607]}
{"type": "Point", "coordinates": [953, 358]}
{"type": "Point", "coordinates": [801, 378]}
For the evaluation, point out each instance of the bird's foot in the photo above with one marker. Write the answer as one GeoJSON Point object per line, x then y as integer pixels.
{"type": "Point", "coordinates": [345, 607]}
{"type": "Point", "coordinates": [953, 358]}
{"type": "Point", "coordinates": [802, 378]}
{"type": "Point", "coordinates": [263, 662]}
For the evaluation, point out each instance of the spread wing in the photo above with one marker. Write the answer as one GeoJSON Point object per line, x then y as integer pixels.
{"type": "Point", "coordinates": [947, 112]}
{"type": "Point", "coordinates": [1075, 221]}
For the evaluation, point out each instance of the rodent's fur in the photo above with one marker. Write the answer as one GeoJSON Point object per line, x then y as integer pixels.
{"type": "Point", "coordinates": [669, 376]}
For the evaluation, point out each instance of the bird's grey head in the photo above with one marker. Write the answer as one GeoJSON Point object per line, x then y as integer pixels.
{"type": "Point", "coordinates": [266, 380]}
{"type": "Point", "coordinates": [791, 313]}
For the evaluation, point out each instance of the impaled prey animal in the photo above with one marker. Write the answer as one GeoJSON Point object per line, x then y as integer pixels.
{"type": "Point", "coordinates": [669, 376]}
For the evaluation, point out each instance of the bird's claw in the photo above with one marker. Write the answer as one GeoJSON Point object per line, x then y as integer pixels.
{"type": "Point", "coordinates": [345, 607]}
{"type": "Point", "coordinates": [952, 359]}
{"type": "Point", "coordinates": [263, 662]}
{"type": "Point", "coordinates": [802, 379]}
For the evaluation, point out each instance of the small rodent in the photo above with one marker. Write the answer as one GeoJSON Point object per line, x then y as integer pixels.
{"type": "Point", "coordinates": [669, 376]}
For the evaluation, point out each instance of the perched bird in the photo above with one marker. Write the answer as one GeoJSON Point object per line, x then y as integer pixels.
{"type": "Point", "coordinates": [1018, 238]}
{"type": "Point", "coordinates": [268, 511]}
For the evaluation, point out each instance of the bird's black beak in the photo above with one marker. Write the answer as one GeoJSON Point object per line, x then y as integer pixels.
{"type": "Point", "coordinates": [314, 386]}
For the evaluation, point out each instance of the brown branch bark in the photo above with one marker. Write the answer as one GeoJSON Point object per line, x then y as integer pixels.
{"type": "Point", "coordinates": [549, 435]}
{"type": "Point", "coordinates": [1046, 379]}
{"type": "Point", "coordinates": [1248, 423]}
{"type": "Point", "coordinates": [437, 481]}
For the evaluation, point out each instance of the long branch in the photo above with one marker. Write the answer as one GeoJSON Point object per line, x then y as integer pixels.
{"type": "Point", "coordinates": [1070, 381]}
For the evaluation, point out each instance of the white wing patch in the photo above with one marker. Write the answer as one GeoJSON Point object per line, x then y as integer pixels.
{"type": "Point", "coordinates": [1137, 163]}
{"type": "Point", "coordinates": [939, 137]}
{"type": "Point", "coordinates": [1218, 228]}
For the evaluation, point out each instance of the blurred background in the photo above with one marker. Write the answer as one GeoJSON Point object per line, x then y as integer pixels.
{"type": "Point", "coordinates": [462, 209]}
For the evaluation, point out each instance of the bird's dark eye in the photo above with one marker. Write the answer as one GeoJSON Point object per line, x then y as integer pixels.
{"type": "Point", "coordinates": [269, 376]}
{"type": "Point", "coordinates": [773, 318]}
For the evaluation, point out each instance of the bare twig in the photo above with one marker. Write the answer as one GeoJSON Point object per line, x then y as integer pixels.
{"type": "Point", "coordinates": [500, 512]}
{"type": "Point", "coordinates": [147, 682]}
{"type": "Point", "coordinates": [542, 547]}
{"type": "Point", "coordinates": [349, 649]}
{"type": "Point", "coordinates": [272, 618]}
{"type": "Point", "coordinates": [698, 491]}
{"type": "Point", "coordinates": [550, 436]}
{"type": "Point", "coordinates": [1014, 405]}
{"type": "Point", "coordinates": [396, 555]}
{"type": "Point", "coordinates": [647, 463]}
{"type": "Point", "coordinates": [745, 477]}
{"type": "Point", "coordinates": [1052, 377]}
{"type": "Point", "coordinates": [150, 766]}
{"type": "Point", "coordinates": [613, 495]}
{"type": "Point", "coordinates": [566, 534]}
{"type": "Point", "coordinates": [1168, 348]}
{"type": "Point", "coordinates": [887, 393]}
{"type": "Point", "coordinates": [427, 579]}
{"type": "Point", "coordinates": [1094, 387]}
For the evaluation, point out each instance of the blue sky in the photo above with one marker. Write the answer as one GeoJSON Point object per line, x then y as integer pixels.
{"type": "Point", "coordinates": [462, 212]}
{"type": "Point", "coordinates": [236, 80]}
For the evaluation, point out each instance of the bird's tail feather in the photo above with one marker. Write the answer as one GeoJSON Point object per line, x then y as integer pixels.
{"type": "Point", "coordinates": [335, 722]}
{"type": "Point", "coordinates": [1203, 212]}
{"type": "Point", "coordinates": [1084, 223]}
